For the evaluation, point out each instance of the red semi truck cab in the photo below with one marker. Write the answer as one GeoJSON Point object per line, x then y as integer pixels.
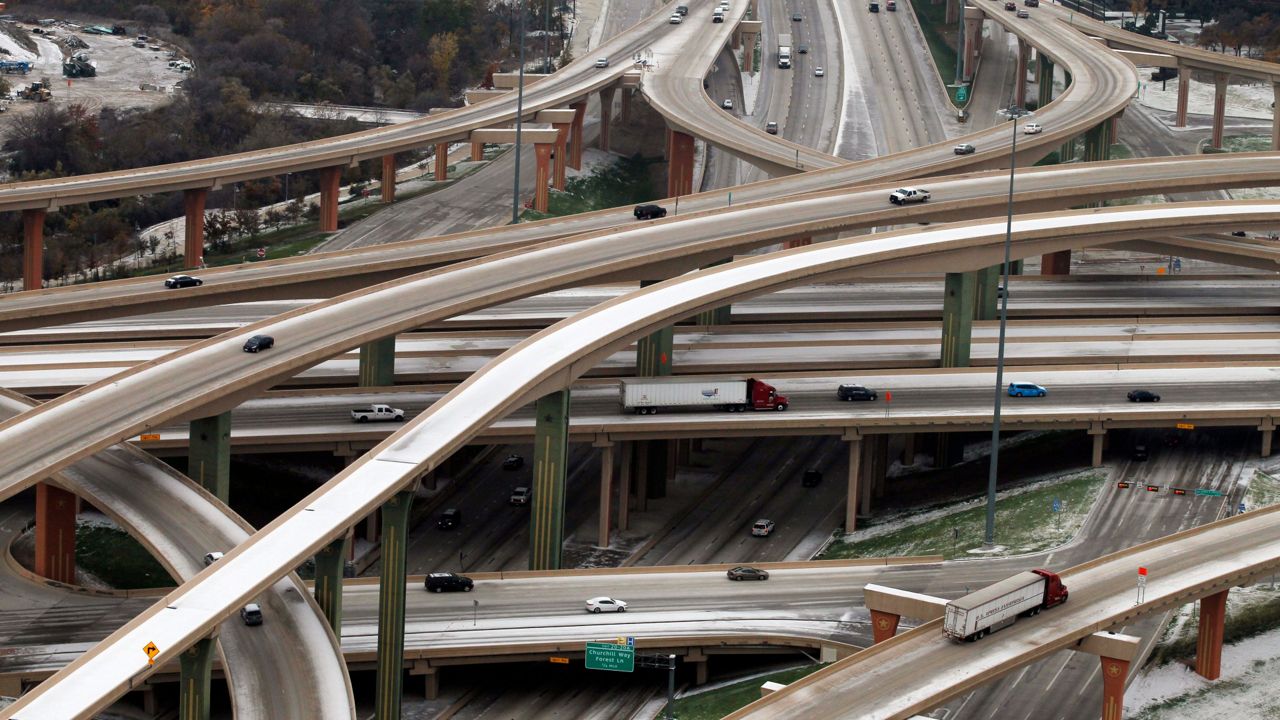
{"type": "Point", "coordinates": [765, 396]}
{"type": "Point", "coordinates": [1055, 593]}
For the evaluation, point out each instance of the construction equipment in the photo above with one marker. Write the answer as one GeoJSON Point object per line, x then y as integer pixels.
{"type": "Point", "coordinates": [37, 92]}
{"type": "Point", "coordinates": [10, 67]}
{"type": "Point", "coordinates": [78, 65]}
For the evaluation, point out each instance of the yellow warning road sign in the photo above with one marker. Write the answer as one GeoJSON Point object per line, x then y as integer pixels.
{"type": "Point", "coordinates": [152, 651]}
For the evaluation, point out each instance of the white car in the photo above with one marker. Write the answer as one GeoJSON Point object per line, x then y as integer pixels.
{"type": "Point", "coordinates": [602, 62]}
{"type": "Point", "coordinates": [902, 196]}
{"type": "Point", "coordinates": [819, 72]}
{"type": "Point", "coordinates": [605, 604]}
{"type": "Point", "coordinates": [1032, 128]}
{"type": "Point", "coordinates": [762, 528]}
{"type": "Point", "coordinates": [727, 104]}
{"type": "Point", "coordinates": [212, 557]}
{"type": "Point", "coordinates": [676, 19]}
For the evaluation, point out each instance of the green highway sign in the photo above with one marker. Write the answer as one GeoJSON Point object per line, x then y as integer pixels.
{"type": "Point", "coordinates": [1211, 493]}
{"type": "Point", "coordinates": [962, 93]}
{"type": "Point", "coordinates": [608, 656]}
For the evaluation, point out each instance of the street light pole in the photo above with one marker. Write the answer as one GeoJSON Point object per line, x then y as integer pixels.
{"type": "Point", "coordinates": [515, 192]}
{"type": "Point", "coordinates": [989, 538]}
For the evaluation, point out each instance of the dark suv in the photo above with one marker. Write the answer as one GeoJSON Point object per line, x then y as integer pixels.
{"type": "Point", "coordinates": [855, 392]}
{"type": "Point", "coordinates": [449, 519]}
{"type": "Point", "coordinates": [259, 342]}
{"type": "Point", "coordinates": [1143, 396]}
{"type": "Point", "coordinates": [448, 582]}
{"type": "Point", "coordinates": [649, 212]}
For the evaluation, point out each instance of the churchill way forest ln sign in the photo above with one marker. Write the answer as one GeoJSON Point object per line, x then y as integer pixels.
{"type": "Point", "coordinates": [609, 656]}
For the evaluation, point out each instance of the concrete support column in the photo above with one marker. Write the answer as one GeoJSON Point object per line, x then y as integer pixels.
{"type": "Point", "coordinates": [431, 684]}
{"type": "Point", "coordinates": [625, 111]}
{"type": "Point", "coordinates": [56, 533]}
{"type": "Point", "coordinates": [851, 483]}
{"type": "Point", "coordinates": [378, 363]}
{"type": "Point", "coordinates": [1184, 91]}
{"type": "Point", "coordinates": [880, 469]}
{"type": "Point", "coordinates": [1058, 263]}
{"type": "Point", "coordinates": [196, 668]}
{"type": "Point", "coordinates": [330, 177]}
{"type": "Point", "coordinates": [699, 662]}
{"type": "Point", "coordinates": [330, 561]}
{"type": "Point", "coordinates": [957, 319]}
{"type": "Point", "coordinates": [986, 302]}
{"type": "Point", "coordinates": [391, 590]}
{"type": "Point", "coordinates": [1114, 673]}
{"type": "Point", "coordinates": [953, 12]}
{"type": "Point", "coordinates": [1268, 432]}
{"type": "Point", "coordinates": [735, 39]}
{"type": "Point", "coordinates": [797, 242]}
{"type": "Point", "coordinates": [640, 459]}
{"type": "Point", "coordinates": [33, 249]}
{"type": "Point", "coordinates": [1275, 118]}
{"type": "Point", "coordinates": [1099, 443]}
{"type": "Point", "coordinates": [972, 38]}
{"type": "Point", "coordinates": [540, 193]}
{"type": "Point", "coordinates": [679, 163]}
{"type": "Point", "coordinates": [1045, 94]}
{"type": "Point", "coordinates": [1219, 107]}
{"type": "Point", "coordinates": [577, 140]}
{"type": "Point", "coordinates": [1213, 611]}
{"type": "Point", "coordinates": [561, 154]}
{"type": "Point", "coordinates": [653, 353]}
{"type": "Point", "coordinates": [866, 478]}
{"type": "Point", "coordinates": [477, 151]}
{"type": "Point", "coordinates": [606, 494]}
{"type": "Point", "coordinates": [389, 178]}
{"type": "Point", "coordinates": [624, 485]}
{"type": "Point", "coordinates": [550, 455]}
{"type": "Point", "coordinates": [884, 625]}
{"type": "Point", "coordinates": [442, 162]}
{"type": "Point", "coordinates": [193, 201]}
{"type": "Point", "coordinates": [209, 454]}
{"type": "Point", "coordinates": [606, 116]}
{"type": "Point", "coordinates": [1020, 81]}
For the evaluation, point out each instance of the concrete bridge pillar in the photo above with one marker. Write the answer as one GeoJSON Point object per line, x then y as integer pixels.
{"type": "Point", "coordinates": [1045, 78]}
{"type": "Point", "coordinates": [735, 39]}
{"type": "Point", "coordinates": [1275, 117]}
{"type": "Point", "coordinates": [679, 163]}
{"type": "Point", "coordinates": [209, 454]}
{"type": "Point", "coordinates": [1268, 430]}
{"type": "Point", "coordinates": [389, 178]}
{"type": "Point", "coordinates": [56, 533]}
{"type": "Point", "coordinates": [1114, 673]}
{"type": "Point", "coordinates": [541, 195]}
{"type": "Point", "coordinates": [624, 114]}
{"type": "Point", "coordinates": [561, 155]}
{"type": "Point", "coordinates": [1213, 613]}
{"type": "Point", "coordinates": [391, 592]}
{"type": "Point", "coordinates": [330, 561]}
{"type": "Point", "coordinates": [624, 484]}
{"type": "Point", "coordinates": [1099, 437]}
{"type": "Point", "coordinates": [1057, 263]}
{"type": "Point", "coordinates": [477, 151]}
{"type": "Point", "coordinates": [606, 116]}
{"type": "Point", "coordinates": [1020, 77]}
{"type": "Point", "coordinates": [378, 363]}
{"type": "Point", "coordinates": [973, 18]}
{"type": "Point", "coordinates": [797, 242]}
{"type": "Point", "coordinates": [329, 179]}
{"type": "Point", "coordinates": [196, 671]}
{"type": "Point", "coordinates": [957, 319]}
{"type": "Point", "coordinates": [193, 201]}
{"type": "Point", "coordinates": [442, 162]}
{"type": "Point", "coordinates": [576, 140]}
{"type": "Point", "coordinates": [33, 249]}
{"type": "Point", "coordinates": [605, 532]}
{"type": "Point", "coordinates": [1219, 107]}
{"type": "Point", "coordinates": [852, 480]}
{"type": "Point", "coordinates": [953, 11]}
{"type": "Point", "coordinates": [1184, 90]}
{"type": "Point", "coordinates": [550, 455]}
{"type": "Point", "coordinates": [884, 625]}
{"type": "Point", "coordinates": [986, 303]}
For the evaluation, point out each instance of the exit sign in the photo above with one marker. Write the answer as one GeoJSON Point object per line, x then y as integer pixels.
{"type": "Point", "coordinates": [609, 656]}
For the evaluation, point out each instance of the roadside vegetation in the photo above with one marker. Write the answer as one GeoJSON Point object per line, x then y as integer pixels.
{"type": "Point", "coordinates": [941, 39]}
{"type": "Point", "coordinates": [626, 181]}
{"type": "Point", "coordinates": [715, 704]}
{"type": "Point", "coordinates": [115, 558]}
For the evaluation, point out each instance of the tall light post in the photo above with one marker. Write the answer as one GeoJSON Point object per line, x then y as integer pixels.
{"type": "Point", "coordinates": [515, 191]}
{"type": "Point", "coordinates": [1014, 113]}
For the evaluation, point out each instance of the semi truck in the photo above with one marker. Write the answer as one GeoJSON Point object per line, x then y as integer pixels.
{"type": "Point", "coordinates": [784, 50]}
{"type": "Point", "coordinates": [997, 606]}
{"type": "Point", "coordinates": [376, 413]}
{"type": "Point", "coordinates": [650, 394]}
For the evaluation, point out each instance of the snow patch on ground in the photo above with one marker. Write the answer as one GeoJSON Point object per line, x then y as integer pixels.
{"type": "Point", "coordinates": [1243, 100]}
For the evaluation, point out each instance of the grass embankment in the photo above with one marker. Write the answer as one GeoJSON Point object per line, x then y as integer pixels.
{"type": "Point", "coordinates": [114, 557]}
{"type": "Point", "coordinates": [940, 38]}
{"type": "Point", "coordinates": [1240, 143]}
{"type": "Point", "coordinates": [624, 182]}
{"type": "Point", "coordinates": [715, 704]}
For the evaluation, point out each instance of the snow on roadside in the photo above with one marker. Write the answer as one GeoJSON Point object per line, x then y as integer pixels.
{"type": "Point", "coordinates": [1243, 100]}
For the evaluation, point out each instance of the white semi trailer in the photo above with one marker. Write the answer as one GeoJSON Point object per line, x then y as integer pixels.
{"type": "Point", "coordinates": [648, 395]}
{"type": "Point", "coordinates": [784, 50]}
{"type": "Point", "coordinates": [981, 613]}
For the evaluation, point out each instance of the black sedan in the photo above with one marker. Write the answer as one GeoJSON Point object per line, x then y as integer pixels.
{"type": "Point", "coordinates": [747, 573]}
{"type": "Point", "coordinates": [1143, 396]}
{"type": "Point", "coordinates": [181, 281]}
{"type": "Point", "coordinates": [513, 462]}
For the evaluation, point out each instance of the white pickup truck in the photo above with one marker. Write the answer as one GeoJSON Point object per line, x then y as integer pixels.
{"type": "Point", "coordinates": [902, 196]}
{"type": "Point", "coordinates": [376, 413]}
